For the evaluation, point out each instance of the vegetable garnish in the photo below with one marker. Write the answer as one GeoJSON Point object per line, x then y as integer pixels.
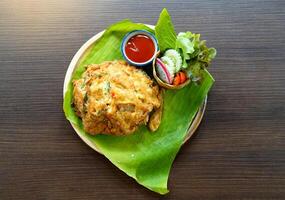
{"type": "Point", "coordinates": [179, 78]}
{"type": "Point", "coordinates": [163, 71]}
{"type": "Point", "coordinates": [175, 57]}
{"type": "Point", "coordinates": [176, 80]}
{"type": "Point", "coordinates": [183, 77]}
{"type": "Point", "coordinates": [186, 51]}
{"type": "Point", "coordinates": [196, 55]}
{"type": "Point", "coordinates": [170, 66]}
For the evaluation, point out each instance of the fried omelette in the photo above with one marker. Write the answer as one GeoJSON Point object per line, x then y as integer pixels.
{"type": "Point", "coordinates": [116, 98]}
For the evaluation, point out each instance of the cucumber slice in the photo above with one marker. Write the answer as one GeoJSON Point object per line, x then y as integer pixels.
{"type": "Point", "coordinates": [169, 65]}
{"type": "Point", "coordinates": [176, 58]}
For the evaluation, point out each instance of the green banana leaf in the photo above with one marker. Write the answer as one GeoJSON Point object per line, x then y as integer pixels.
{"type": "Point", "coordinates": [146, 156]}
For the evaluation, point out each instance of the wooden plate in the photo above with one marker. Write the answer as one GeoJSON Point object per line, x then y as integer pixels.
{"type": "Point", "coordinates": [73, 64]}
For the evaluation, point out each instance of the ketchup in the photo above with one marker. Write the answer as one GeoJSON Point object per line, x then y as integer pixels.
{"type": "Point", "coordinates": [140, 48]}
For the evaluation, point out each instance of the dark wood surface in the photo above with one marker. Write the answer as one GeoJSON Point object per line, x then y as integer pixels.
{"type": "Point", "coordinates": [237, 153]}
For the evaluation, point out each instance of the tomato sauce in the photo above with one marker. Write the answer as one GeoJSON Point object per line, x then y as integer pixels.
{"type": "Point", "coordinates": [140, 48]}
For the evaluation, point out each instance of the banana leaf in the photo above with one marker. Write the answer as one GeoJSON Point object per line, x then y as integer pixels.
{"type": "Point", "coordinates": [145, 156]}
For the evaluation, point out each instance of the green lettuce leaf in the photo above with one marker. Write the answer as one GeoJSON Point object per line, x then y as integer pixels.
{"type": "Point", "coordinates": [185, 46]}
{"type": "Point", "coordinates": [196, 55]}
{"type": "Point", "coordinates": [145, 156]}
{"type": "Point", "coordinates": [164, 31]}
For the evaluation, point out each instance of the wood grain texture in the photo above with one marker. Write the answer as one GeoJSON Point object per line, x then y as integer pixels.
{"type": "Point", "coordinates": [237, 153]}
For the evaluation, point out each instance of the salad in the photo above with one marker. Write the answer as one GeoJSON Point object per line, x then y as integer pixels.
{"type": "Point", "coordinates": [182, 57]}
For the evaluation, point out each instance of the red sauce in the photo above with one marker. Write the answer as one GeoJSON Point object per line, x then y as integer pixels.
{"type": "Point", "coordinates": [140, 48]}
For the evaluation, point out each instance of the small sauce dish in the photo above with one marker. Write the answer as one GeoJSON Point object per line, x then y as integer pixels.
{"type": "Point", "coordinates": [139, 47]}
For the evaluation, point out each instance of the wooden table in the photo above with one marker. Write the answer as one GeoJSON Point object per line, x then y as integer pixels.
{"type": "Point", "coordinates": [237, 153]}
